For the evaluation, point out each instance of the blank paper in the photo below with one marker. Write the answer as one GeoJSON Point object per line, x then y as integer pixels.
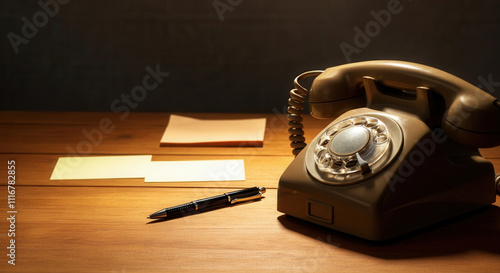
{"type": "Point", "coordinates": [101, 167]}
{"type": "Point", "coordinates": [185, 131]}
{"type": "Point", "coordinates": [198, 170]}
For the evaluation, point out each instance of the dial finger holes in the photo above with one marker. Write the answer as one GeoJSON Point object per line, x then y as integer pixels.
{"type": "Point", "coordinates": [351, 163]}
{"type": "Point", "coordinates": [319, 150]}
{"type": "Point", "coordinates": [332, 130]}
{"type": "Point", "coordinates": [359, 121]}
{"type": "Point", "coordinates": [337, 164]}
{"type": "Point", "coordinates": [324, 140]}
{"type": "Point", "coordinates": [380, 138]}
{"type": "Point", "coordinates": [336, 149]}
{"type": "Point", "coordinates": [345, 124]}
{"type": "Point", "coordinates": [353, 149]}
{"type": "Point", "coordinates": [325, 160]}
{"type": "Point", "coordinates": [371, 123]}
{"type": "Point", "coordinates": [379, 129]}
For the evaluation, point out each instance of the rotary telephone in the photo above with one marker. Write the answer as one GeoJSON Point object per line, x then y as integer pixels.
{"type": "Point", "coordinates": [402, 155]}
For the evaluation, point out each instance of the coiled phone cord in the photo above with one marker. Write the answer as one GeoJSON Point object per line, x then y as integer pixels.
{"type": "Point", "coordinates": [295, 111]}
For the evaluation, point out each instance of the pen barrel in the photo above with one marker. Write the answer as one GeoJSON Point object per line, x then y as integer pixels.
{"type": "Point", "coordinates": [225, 198]}
{"type": "Point", "coordinates": [180, 210]}
{"type": "Point", "coordinates": [211, 202]}
{"type": "Point", "coordinates": [244, 193]}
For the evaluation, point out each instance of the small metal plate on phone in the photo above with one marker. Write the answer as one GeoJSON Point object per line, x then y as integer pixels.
{"type": "Point", "coordinates": [320, 211]}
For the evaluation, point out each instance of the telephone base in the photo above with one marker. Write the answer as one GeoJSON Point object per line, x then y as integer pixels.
{"type": "Point", "coordinates": [452, 180]}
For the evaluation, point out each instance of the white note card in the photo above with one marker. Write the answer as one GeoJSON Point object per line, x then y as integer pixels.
{"type": "Point", "coordinates": [198, 170]}
{"type": "Point", "coordinates": [101, 167]}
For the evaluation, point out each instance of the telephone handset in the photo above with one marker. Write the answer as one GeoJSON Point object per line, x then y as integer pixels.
{"type": "Point", "coordinates": [403, 155]}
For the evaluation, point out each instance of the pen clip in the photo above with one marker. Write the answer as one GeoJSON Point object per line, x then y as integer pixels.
{"type": "Point", "coordinates": [244, 199]}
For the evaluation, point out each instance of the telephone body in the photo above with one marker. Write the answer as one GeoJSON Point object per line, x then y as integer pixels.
{"type": "Point", "coordinates": [402, 155]}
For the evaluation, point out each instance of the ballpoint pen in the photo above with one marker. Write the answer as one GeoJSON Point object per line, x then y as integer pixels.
{"type": "Point", "coordinates": [228, 198]}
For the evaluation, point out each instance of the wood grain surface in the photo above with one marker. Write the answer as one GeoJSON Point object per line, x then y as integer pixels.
{"type": "Point", "coordinates": [101, 225]}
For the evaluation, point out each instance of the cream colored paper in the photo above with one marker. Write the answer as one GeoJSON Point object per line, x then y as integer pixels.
{"type": "Point", "coordinates": [199, 170]}
{"type": "Point", "coordinates": [190, 131]}
{"type": "Point", "coordinates": [101, 167]}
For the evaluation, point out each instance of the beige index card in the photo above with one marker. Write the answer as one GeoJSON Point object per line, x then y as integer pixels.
{"type": "Point", "coordinates": [186, 131]}
{"type": "Point", "coordinates": [101, 167]}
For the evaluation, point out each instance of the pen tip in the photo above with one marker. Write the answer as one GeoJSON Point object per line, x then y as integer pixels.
{"type": "Point", "coordinates": [148, 217]}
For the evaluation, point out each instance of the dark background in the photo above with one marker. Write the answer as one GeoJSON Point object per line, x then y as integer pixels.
{"type": "Point", "coordinates": [91, 52]}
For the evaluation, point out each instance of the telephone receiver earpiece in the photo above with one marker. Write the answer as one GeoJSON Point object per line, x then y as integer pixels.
{"type": "Point", "coordinates": [471, 117]}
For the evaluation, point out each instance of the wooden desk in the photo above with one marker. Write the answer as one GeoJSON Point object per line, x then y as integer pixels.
{"type": "Point", "coordinates": [101, 225]}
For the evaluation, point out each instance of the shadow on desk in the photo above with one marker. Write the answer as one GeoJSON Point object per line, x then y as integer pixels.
{"type": "Point", "coordinates": [478, 230]}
